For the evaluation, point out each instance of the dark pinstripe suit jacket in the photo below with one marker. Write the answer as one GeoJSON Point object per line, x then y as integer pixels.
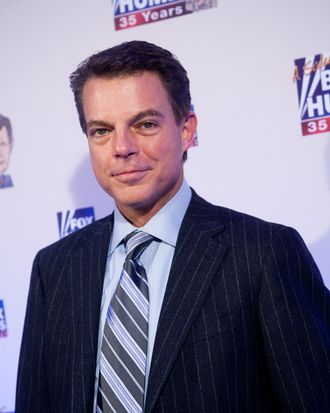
{"type": "Point", "coordinates": [244, 325]}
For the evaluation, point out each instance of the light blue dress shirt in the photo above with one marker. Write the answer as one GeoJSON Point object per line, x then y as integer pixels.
{"type": "Point", "coordinates": [156, 259]}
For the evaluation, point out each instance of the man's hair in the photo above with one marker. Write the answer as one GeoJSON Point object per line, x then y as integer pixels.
{"type": "Point", "coordinates": [133, 57]}
{"type": "Point", "coordinates": [5, 123]}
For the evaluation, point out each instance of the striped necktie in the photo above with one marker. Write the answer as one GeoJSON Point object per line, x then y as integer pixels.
{"type": "Point", "coordinates": [125, 338]}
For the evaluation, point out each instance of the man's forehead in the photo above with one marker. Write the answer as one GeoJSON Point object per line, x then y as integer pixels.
{"type": "Point", "coordinates": [99, 89]}
{"type": "Point", "coordinates": [4, 133]}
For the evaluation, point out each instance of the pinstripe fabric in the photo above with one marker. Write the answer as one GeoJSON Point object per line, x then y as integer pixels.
{"type": "Point", "coordinates": [59, 345]}
{"type": "Point", "coordinates": [244, 326]}
{"type": "Point", "coordinates": [125, 342]}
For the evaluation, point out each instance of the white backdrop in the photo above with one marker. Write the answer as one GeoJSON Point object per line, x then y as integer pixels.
{"type": "Point", "coordinates": [251, 154]}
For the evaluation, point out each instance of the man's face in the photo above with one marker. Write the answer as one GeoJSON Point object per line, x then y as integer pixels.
{"type": "Point", "coordinates": [136, 146]}
{"type": "Point", "coordinates": [5, 148]}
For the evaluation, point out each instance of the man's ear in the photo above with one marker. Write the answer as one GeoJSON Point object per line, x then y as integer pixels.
{"type": "Point", "coordinates": [189, 127]}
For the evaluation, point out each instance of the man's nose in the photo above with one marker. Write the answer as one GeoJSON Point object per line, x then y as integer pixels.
{"type": "Point", "coordinates": [124, 143]}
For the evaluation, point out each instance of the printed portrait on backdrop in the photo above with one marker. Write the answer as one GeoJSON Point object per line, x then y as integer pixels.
{"type": "Point", "coordinates": [6, 145]}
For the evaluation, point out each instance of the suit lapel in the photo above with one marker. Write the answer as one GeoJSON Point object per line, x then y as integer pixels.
{"type": "Point", "coordinates": [197, 257]}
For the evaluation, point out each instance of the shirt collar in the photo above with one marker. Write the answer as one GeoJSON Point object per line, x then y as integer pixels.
{"type": "Point", "coordinates": [165, 224]}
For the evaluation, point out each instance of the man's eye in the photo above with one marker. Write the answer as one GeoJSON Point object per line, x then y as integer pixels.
{"type": "Point", "coordinates": [147, 125]}
{"type": "Point", "coordinates": [99, 132]}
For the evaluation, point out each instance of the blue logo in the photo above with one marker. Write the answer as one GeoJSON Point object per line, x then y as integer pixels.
{"type": "Point", "coordinates": [72, 220]}
{"type": "Point", "coordinates": [312, 75]}
{"type": "Point", "coordinates": [3, 323]}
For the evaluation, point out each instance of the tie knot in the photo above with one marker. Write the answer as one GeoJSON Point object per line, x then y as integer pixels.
{"type": "Point", "coordinates": [136, 242]}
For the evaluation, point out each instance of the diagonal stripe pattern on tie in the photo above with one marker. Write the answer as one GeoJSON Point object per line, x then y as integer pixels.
{"type": "Point", "coordinates": [125, 338]}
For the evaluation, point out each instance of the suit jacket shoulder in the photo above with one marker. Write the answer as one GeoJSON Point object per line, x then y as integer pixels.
{"type": "Point", "coordinates": [247, 233]}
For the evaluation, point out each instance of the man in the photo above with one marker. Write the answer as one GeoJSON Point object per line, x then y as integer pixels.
{"type": "Point", "coordinates": [238, 313]}
{"type": "Point", "coordinates": [6, 144]}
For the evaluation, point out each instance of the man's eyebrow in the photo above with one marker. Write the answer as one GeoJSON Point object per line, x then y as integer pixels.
{"type": "Point", "coordinates": [136, 118]}
{"type": "Point", "coordinates": [145, 114]}
{"type": "Point", "coordinates": [98, 123]}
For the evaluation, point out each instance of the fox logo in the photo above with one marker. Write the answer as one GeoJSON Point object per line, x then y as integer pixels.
{"type": "Point", "coordinates": [72, 220]}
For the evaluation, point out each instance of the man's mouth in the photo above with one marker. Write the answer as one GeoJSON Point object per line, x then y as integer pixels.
{"type": "Point", "coordinates": [130, 176]}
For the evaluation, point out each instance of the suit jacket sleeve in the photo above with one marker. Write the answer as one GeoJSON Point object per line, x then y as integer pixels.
{"type": "Point", "coordinates": [31, 392]}
{"type": "Point", "coordinates": [294, 316]}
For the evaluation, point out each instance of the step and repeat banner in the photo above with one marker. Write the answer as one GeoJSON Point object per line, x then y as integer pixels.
{"type": "Point", "coordinates": [260, 83]}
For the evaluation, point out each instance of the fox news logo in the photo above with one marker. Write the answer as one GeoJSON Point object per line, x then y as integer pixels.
{"type": "Point", "coordinates": [72, 220]}
{"type": "Point", "coordinates": [131, 13]}
{"type": "Point", "coordinates": [312, 75]}
{"type": "Point", "coordinates": [3, 323]}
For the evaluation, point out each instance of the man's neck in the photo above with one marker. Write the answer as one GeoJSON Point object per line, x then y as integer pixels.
{"type": "Point", "coordinates": [140, 215]}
